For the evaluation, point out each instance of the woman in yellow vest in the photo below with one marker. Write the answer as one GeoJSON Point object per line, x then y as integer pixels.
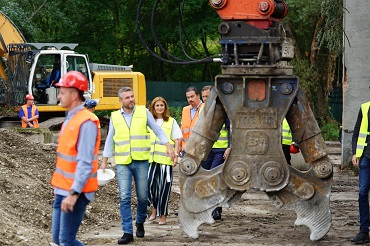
{"type": "Point", "coordinates": [161, 167]}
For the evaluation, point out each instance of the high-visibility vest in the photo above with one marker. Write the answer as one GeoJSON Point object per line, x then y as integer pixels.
{"type": "Point", "coordinates": [364, 131]}
{"type": "Point", "coordinates": [64, 174]}
{"type": "Point", "coordinates": [158, 151]}
{"type": "Point", "coordinates": [222, 141]}
{"type": "Point", "coordinates": [187, 123]}
{"type": "Point", "coordinates": [35, 123]}
{"type": "Point", "coordinates": [131, 143]}
{"type": "Point", "coordinates": [286, 134]}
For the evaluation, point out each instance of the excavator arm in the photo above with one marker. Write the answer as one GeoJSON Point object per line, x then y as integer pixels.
{"type": "Point", "coordinates": [9, 34]}
{"type": "Point", "coordinates": [256, 90]}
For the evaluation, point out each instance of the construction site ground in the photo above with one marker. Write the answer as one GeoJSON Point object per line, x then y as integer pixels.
{"type": "Point", "coordinates": [26, 206]}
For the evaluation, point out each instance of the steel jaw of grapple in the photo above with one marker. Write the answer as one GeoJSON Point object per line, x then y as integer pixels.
{"type": "Point", "coordinates": [256, 108]}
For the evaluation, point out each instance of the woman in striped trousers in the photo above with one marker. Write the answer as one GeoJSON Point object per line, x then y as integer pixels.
{"type": "Point", "coordinates": [161, 167]}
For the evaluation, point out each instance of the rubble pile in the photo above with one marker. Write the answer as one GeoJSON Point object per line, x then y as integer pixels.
{"type": "Point", "coordinates": [25, 192]}
{"type": "Point", "coordinates": [26, 195]}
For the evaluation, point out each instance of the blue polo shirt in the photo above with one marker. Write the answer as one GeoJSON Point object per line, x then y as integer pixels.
{"type": "Point", "coordinates": [29, 111]}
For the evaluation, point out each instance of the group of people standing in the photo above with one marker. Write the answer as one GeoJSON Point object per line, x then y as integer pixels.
{"type": "Point", "coordinates": [146, 145]}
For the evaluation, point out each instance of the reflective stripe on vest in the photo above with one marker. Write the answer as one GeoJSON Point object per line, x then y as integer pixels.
{"type": "Point", "coordinates": [364, 130]}
{"type": "Point", "coordinates": [134, 143]}
{"type": "Point", "coordinates": [187, 123]}
{"type": "Point", "coordinates": [222, 141]}
{"type": "Point", "coordinates": [35, 123]}
{"type": "Point", "coordinates": [158, 151]}
{"type": "Point", "coordinates": [64, 174]}
{"type": "Point", "coordinates": [286, 134]}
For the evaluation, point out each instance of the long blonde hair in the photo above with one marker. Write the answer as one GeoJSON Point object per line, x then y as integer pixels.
{"type": "Point", "coordinates": [166, 112]}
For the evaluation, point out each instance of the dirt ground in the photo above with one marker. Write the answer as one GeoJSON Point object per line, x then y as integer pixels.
{"type": "Point", "coordinates": [26, 204]}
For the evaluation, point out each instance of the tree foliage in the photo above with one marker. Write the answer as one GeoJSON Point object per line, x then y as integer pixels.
{"type": "Point", "coordinates": [317, 29]}
{"type": "Point", "coordinates": [106, 31]}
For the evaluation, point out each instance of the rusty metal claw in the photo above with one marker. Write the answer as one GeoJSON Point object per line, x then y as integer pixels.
{"type": "Point", "coordinates": [200, 195]}
{"type": "Point", "coordinates": [308, 196]}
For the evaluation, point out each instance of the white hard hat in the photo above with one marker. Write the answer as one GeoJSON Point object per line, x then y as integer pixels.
{"type": "Point", "coordinates": [106, 176]}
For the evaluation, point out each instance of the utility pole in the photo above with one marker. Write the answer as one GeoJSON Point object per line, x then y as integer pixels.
{"type": "Point", "coordinates": [356, 77]}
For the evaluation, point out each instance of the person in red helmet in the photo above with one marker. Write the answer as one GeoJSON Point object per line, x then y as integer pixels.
{"type": "Point", "coordinates": [29, 113]}
{"type": "Point", "coordinates": [75, 177]}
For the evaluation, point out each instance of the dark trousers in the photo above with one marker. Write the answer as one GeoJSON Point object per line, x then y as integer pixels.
{"type": "Point", "coordinates": [215, 158]}
{"type": "Point", "coordinates": [363, 193]}
{"type": "Point", "coordinates": [286, 149]}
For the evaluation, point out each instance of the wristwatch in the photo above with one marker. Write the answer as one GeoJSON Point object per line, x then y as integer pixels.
{"type": "Point", "coordinates": [73, 193]}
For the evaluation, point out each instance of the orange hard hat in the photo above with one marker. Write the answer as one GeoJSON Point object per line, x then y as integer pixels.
{"type": "Point", "coordinates": [73, 79]}
{"type": "Point", "coordinates": [29, 97]}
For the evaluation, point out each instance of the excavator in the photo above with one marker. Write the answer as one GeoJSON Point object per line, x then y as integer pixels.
{"type": "Point", "coordinates": [256, 89]}
{"type": "Point", "coordinates": [34, 68]}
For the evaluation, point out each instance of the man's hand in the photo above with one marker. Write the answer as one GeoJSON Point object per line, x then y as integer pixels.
{"type": "Point", "coordinates": [68, 203]}
{"type": "Point", "coordinates": [226, 153]}
{"type": "Point", "coordinates": [355, 160]}
{"type": "Point", "coordinates": [180, 150]}
{"type": "Point", "coordinates": [175, 161]}
{"type": "Point", "coordinates": [104, 163]}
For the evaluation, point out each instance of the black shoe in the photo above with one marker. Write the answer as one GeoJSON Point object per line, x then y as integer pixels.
{"type": "Point", "coordinates": [126, 238]}
{"type": "Point", "coordinates": [216, 213]}
{"type": "Point", "coordinates": [360, 238]}
{"type": "Point", "coordinates": [140, 230]}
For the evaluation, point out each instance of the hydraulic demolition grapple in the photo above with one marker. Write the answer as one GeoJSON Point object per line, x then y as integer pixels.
{"type": "Point", "coordinates": [256, 90]}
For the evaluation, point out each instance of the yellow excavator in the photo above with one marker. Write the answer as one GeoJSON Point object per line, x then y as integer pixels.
{"type": "Point", "coordinates": [34, 68]}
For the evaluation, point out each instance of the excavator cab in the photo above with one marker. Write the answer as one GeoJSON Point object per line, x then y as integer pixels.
{"type": "Point", "coordinates": [48, 66]}
{"type": "Point", "coordinates": [47, 73]}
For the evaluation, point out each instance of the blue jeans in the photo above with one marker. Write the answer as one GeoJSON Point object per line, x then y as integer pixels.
{"type": "Point", "coordinates": [363, 193]}
{"type": "Point", "coordinates": [138, 170]}
{"type": "Point", "coordinates": [65, 225]}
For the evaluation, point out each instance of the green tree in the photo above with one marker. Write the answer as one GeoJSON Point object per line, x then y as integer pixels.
{"type": "Point", "coordinates": [317, 29]}
{"type": "Point", "coordinates": [106, 31]}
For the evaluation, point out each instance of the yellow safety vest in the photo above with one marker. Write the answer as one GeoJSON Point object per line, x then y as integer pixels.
{"type": "Point", "coordinates": [131, 143]}
{"type": "Point", "coordinates": [158, 151]}
{"type": "Point", "coordinates": [364, 131]}
{"type": "Point", "coordinates": [286, 134]}
{"type": "Point", "coordinates": [222, 141]}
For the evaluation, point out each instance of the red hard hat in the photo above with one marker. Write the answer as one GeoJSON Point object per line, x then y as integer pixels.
{"type": "Point", "coordinates": [29, 97]}
{"type": "Point", "coordinates": [73, 79]}
{"type": "Point", "coordinates": [294, 149]}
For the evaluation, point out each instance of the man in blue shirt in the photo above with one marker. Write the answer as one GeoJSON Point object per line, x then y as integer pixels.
{"type": "Point", "coordinates": [75, 177]}
{"type": "Point", "coordinates": [29, 113]}
{"type": "Point", "coordinates": [127, 142]}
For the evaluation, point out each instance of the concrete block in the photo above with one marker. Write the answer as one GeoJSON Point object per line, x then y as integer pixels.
{"type": "Point", "coordinates": [37, 135]}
